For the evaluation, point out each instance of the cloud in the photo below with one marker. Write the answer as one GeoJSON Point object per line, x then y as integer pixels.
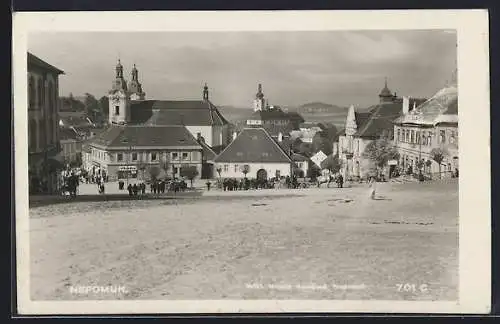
{"type": "Point", "coordinates": [340, 67]}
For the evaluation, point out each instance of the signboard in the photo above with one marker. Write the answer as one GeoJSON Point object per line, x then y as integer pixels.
{"type": "Point", "coordinates": [318, 158]}
{"type": "Point", "coordinates": [392, 162]}
{"type": "Point", "coordinates": [127, 168]}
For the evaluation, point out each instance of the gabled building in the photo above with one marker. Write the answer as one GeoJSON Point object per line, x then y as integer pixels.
{"type": "Point", "coordinates": [365, 126]}
{"type": "Point", "coordinates": [256, 149]}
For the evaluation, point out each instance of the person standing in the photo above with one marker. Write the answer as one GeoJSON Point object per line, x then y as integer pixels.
{"type": "Point", "coordinates": [129, 188]}
{"type": "Point", "coordinates": [372, 184]}
{"type": "Point", "coordinates": [208, 185]}
{"type": "Point", "coordinates": [340, 181]}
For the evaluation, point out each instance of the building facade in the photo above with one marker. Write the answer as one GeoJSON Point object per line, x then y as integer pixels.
{"type": "Point", "coordinates": [71, 146]}
{"type": "Point", "coordinates": [431, 127]}
{"type": "Point", "coordinates": [43, 126]}
{"type": "Point", "coordinates": [131, 151]}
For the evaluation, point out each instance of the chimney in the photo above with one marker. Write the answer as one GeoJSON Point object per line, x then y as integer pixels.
{"type": "Point", "coordinates": [280, 137]}
{"type": "Point", "coordinates": [406, 105]}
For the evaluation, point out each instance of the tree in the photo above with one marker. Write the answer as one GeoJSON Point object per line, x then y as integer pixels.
{"type": "Point", "coordinates": [154, 172]}
{"type": "Point", "coordinates": [306, 149]}
{"type": "Point", "coordinates": [321, 142]}
{"type": "Point", "coordinates": [245, 169]}
{"type": "Point", "coordinates": [219, 170]}
{"type": "Point", "coordinates": [91, 106]}
{"type": "Point", "coordinates": [380, 151]}
{"type": "Point", "coordinates": [189, 172]}
{"type": "Point", "coordinates": [331, 163]}
{"type": "Point", "coordinates": [438, 154]}
{"type": "Point", "coordinates": [104, 106]}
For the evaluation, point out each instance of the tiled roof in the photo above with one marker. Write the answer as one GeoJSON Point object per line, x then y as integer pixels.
{"type": "Point", "coordinates": [137, 136]}
{"type": "Point", "coordinates": [380, 120]}
{"type": "Point", "coordinates": [299, 157]}
{"type": "Point", "coordinates": [167, 112]}
{"type": "Point", "coordinates": [276, 114]}
{"type": "Point", "coordinates": [253, 145]}
{"type": "Point", "coordinates": [440, 108]}
{"type": "Point", "coordinates": [67, 134]}
{"type": "Point", "coordinates": [35, 61]}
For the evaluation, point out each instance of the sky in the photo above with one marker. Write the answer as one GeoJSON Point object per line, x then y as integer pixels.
{"type": "Point", "coordinates": [294, 68]}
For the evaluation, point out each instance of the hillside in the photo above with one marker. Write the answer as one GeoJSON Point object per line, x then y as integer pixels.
{"type": "Point", "coordinates": [320, 108]}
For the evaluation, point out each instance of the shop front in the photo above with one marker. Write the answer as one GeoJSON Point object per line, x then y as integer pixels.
{"type": "Point", "coordinates": [127, 172]}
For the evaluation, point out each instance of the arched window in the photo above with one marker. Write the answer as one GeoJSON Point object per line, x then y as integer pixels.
{"type": "Point", "coordinates": [412, 136]}
{"type": "Point", "coordinates": [442, 137]}
{"type": "Point", "coordinates": [40, 93]}
{"type": "Point", "coordinates": [49, 130]}
{"type": "Point", "coordinates": [32, 135]}
{"type": "Point", "coordinates": [418, 137]}
{"type": "Point", "coordinates": [399, 135]}
{"type": "Point", "coordinates": [50, 94]}
{"type": "Point", "coordinates": [31, 93]}
{"type": "Point", "coordinates": [42, 135]}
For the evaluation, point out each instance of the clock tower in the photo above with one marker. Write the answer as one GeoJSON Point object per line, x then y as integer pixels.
{"type": "Point", "coordinates": [119, 99]}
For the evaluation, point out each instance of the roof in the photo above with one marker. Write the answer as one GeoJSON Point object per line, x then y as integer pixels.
{"type": "Point", "coordinates": [379, 120]}
{"type": "Point", "coordinates": [67, 134]}
{"type": "Point", "coordinates": [168, 112]}
{"type": "Point", "coordinates": [440, 108]}
{"type": "Point", "coordinates": [137, 136]}
{"type": "Point", "coordinates": [276, 114]}
{"type": "Point", "coordinates": [38, 62]}
{"type": "Point", "coordinates": [299, 157]}
{"type": "Point", "coordinates": [253, 145]}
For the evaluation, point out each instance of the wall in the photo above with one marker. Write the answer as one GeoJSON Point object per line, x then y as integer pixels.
{"type": "Point", "coordinates": [231, 172]}
{"type": "Point", "coordinates": [206, 132]}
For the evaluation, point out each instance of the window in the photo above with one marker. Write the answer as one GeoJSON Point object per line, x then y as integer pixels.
{"type": "Point", "coordinates": [300, 164]}
{"type": "Point", "coordinates": [175, 156]}
{"type": "Point", "coordinates": [40, 93]}
{"type": "Point", "coordinates": [278, 174]}
{"type": "Point", "coordinates": [119, 157]}
{"type": "Point", "coordinates": [399, 135]}
{"type": "Point", "coordinates": [134, 156]}
{"type": "Point", "coordinates": [31, 93]}
{"type": "Point", "coordinates": [412, 136]}
{"type": "Point", "coordinates": [452, 138]}
{"type": "Point", "coordinates": [185, 156]}
{"type": "Point", "coordinates": [418, 137]}
{"type": "Point", "coordinates": [117, 110]}
{"type": "Point", "coordinates": [429, 140]}
{"type": "Point", "coordinates": [153, 156]}
{"type": "Point", "coordinates": [236, 168]}
{"type": "Point", "coordinates": [226, 167]}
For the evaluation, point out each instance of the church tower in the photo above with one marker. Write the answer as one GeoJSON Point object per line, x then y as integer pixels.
{"type": "Point", "coordinates": [205, 92]}
{"type": "Point", "coordinates": [135, 87]}
{"type": "Point", "coordinates": [386, 94]}
{"type": "Point", "coordinates": [259, 102]}
{"type": "Point", "coordinates": [119, 99]}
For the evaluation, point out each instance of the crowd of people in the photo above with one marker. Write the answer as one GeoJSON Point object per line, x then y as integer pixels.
{"type": "Point", "coordinates": [159, 186]}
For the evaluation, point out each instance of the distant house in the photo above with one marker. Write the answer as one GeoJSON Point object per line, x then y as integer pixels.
{"type": "Point", "coordinates": [273, 118]}
{"type": "Point", "coordinates": [71, 145]}
{"type": "Point", "coordinates": [256, 149]}
{"type": "Point", "coordinates": [301, 165]}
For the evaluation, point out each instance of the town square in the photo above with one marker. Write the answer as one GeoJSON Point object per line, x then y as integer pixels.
{"type": "Point", "coordinates": [206, 169]}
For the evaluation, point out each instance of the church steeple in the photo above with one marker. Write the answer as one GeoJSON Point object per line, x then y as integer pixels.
{"type": "Point", "coordinates": [259, 102]}
{"type": "Point", "coordinates": [135, 86]}
{"type": "Point", "coordinates": [351, 126]}
{"type": "Point", "coordinates": [205, 92]}
{"type": "Point", "coordinates": [119, 70]}
{"type": "Point", "coordinates": [135, 74]}
{"type": "Point", "coordinates": [386, 94]}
